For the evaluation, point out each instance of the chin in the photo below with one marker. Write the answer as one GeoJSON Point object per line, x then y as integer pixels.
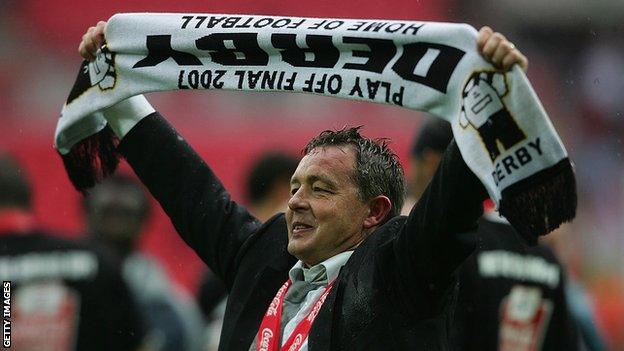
{"type": "Point", "coordinates": [297, 249]}
{"type": "Point", "coordinates": [293, 248]}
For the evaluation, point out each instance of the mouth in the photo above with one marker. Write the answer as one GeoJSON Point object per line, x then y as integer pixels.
{"type": "Point", "coordinates": [300, 228]}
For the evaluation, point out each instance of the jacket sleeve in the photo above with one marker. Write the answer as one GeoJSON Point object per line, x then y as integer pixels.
{"type": "Point", "coordinates": [437, 236]}
{"type": "Point", "coordinates": [189, 192]}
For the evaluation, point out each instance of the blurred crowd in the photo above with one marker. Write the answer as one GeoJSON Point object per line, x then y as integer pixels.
{"type": "Point", "coordinates": [576, 57]}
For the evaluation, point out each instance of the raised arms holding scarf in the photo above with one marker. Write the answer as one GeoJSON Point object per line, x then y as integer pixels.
{"type": "Point", "coordinates": [500, 127]}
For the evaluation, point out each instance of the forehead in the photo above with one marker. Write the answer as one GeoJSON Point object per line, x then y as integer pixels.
{"type": "Point", "coordinates": [333, 162]}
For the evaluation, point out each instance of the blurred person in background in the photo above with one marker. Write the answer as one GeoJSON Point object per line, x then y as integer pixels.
{"type": "Point", "coordinates": [65, 295]}
{"type": "Point", "coordinates": [511, 296]}
{"type": "Point", "coordinates": [581, 304]}
{"type": "Point", "coordinates": [268, 192]}
{"type": "Point", "coordinates": [116, 212]}
{"type": "Point", "coordinates": [268, 184]}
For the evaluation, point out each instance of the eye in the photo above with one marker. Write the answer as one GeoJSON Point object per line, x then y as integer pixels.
{"type": "Point", "coordinates": [293, 191]}
{"type": "Point", "coordinates": [316, 188]}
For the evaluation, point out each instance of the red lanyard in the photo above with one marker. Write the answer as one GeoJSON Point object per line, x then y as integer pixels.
{"type": "Point", "coordinates": [268, 336]}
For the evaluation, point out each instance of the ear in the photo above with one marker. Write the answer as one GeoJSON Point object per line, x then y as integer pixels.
{"type": "Point", "coordinates": [379, 207]}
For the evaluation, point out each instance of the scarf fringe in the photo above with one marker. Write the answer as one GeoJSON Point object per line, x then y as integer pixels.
{"type": "Point", "coordinates": [92, 159]}
{"type": "Point", "coordinates": [541, 203]}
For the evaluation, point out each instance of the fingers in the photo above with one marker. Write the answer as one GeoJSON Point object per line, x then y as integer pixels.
{"type": "Point", "coordinates": [92, 40]}
{"type": "Point", "coordinates": [484, 34]}
{"type": "Point", "coordinates": [502, 53]}
{"type": "Point", "coordinates": [100, 28]}
{"type": "Point", "coordinates": [494, 42]}
{"type": "Point", "coordinates": [87, 45]}
{"type": "Point", "coordinates": [515, 57]}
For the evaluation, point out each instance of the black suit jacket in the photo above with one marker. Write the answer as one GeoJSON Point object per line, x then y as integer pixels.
{"type": "Point", "coordinates": [393, 293]}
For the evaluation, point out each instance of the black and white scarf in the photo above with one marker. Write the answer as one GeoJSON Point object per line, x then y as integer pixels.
{"type": "Point", "coordinates": [502, 130]}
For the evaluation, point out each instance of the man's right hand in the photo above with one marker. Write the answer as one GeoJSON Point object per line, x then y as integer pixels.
{"type": "Point", "coordinates": [92, 40]}
{"type": "Point", "coordinates": [124, 115]}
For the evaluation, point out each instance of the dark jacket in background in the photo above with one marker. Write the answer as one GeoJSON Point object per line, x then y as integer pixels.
{"type": "Point", "coordinates": [485, 318]}
{"type": "Point", "coordinates": [66, 295]}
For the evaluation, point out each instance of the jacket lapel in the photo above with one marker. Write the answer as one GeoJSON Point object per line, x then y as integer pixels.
{"type": "Point", "coordinates": [324, 330]}
{"type": "Point", "coordinates": [258, 285]}
{"type": "Point", "coordinates": [261, 292]}
{"type": "Point", "coordinates": [320, 336]}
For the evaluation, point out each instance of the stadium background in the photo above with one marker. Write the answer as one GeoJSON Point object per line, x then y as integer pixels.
{"type": "Point", "coordinates": [576, 52]}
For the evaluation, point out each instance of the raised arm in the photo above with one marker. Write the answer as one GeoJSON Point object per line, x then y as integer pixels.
{"type": "Point", "coordinates": [198, 205]}
{"type": "Point", "coordinates": [437, 235]}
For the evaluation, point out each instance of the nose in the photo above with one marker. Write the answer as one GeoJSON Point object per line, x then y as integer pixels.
{"type": "Point", "coordinates": [298, 201]}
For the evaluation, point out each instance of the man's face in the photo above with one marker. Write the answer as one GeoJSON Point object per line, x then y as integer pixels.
{"type": "Point", "coordinates": [325, 214]}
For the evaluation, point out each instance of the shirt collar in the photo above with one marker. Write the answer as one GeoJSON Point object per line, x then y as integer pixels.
{"type": "Point", "coordinates": [323, 272]}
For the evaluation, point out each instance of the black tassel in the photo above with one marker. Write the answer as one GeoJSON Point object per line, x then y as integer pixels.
{"type": "Point", "coordinates": [92, 159]}
{"type": "Point", "coordinates": [541, 203]}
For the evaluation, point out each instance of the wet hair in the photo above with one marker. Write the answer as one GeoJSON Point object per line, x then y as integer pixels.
{"type": "Point", "coordinates": [271, 168]}
{"type": "Point", "coordinates": [119, 183]}
{"type": "Point", "coordinates": [15, 188]}
{"type": "Point", "coordinates": [377, 169]}
{"type": "Point", "coordinates": [435, 134]}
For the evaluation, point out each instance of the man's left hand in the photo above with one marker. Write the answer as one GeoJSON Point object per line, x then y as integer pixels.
{"type": "Point", "coordinates": [499, 51]}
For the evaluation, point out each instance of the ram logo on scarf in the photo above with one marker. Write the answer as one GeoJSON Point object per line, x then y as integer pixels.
{"type": "Point", "coordinates": [483, 109]}
{"type": "Point", "coordinates": [100, 72]}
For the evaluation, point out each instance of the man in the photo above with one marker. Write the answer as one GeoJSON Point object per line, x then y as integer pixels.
{"type": "Point", "coordinates": [339, 270]}
{"type": "Point", "coordinates": [511, 297]}
{"type": "Point", "coordinates": [116, 212]}
{"type": "Point", "coordinates": [65, 295]}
